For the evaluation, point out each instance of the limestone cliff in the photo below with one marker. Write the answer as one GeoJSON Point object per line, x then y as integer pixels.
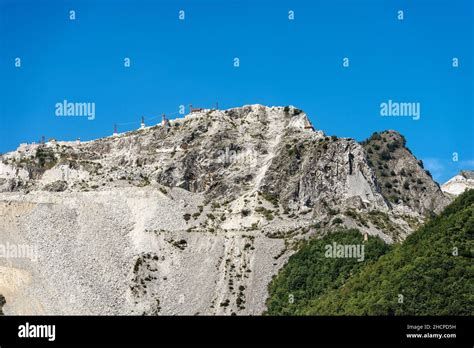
{"type": "Point", "coordinates": [194, 216]}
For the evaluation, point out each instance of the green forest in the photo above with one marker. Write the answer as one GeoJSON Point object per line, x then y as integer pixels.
{"type": "Point", "coordinates": [430, 273]}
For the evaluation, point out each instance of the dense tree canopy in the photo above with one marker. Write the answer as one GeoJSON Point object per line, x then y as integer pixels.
{"type": "Point", "coordinates": [310, 272]}
{"type": "Point", "coordinates": [430, 273]}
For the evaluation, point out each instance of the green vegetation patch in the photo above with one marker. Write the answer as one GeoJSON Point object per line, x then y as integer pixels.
{"type": "Point", "coordinates": [430, 273]}
{"type": "Point", "coordinates": [310, 273]}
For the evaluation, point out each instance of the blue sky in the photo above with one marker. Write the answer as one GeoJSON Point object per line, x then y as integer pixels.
{"type": "Point", "coordinates": [282, 62]}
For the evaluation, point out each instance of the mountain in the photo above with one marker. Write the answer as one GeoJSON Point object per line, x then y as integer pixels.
{"type": "Point", "coordinates": [430, 273]}
{"type": "Point", "coordinates": [194, 215]}
{"type": "Point", "coordinates": [459, 183]}
{"type": "Point", "coordinates": [401, 176]}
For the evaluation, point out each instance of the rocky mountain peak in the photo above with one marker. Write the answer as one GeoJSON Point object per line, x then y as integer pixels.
{"type": "Point", "coordinates": [204, 208]}
{"type": "Point", "coordinates": [402, 179]}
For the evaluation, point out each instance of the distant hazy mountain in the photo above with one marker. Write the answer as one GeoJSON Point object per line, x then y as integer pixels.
{"type": "Point", "coordinates": [459, 183]}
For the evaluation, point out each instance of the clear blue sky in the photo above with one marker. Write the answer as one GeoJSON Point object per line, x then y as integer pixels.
{"type": "Point", "coordinates": [283, 62]}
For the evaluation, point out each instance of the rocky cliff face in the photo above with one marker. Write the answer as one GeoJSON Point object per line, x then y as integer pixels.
{"type": "Point", "coordinates": [194, 216]}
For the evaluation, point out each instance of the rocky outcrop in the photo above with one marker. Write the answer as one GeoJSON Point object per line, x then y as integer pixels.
{"type": "Point", "coordinates": [195, 217]}
{"type": "Point", "coordinates": [402, 179]}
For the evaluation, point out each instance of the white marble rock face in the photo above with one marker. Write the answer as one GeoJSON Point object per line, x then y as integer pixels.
{"type": "Point", "coordinates": [192, 218]}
